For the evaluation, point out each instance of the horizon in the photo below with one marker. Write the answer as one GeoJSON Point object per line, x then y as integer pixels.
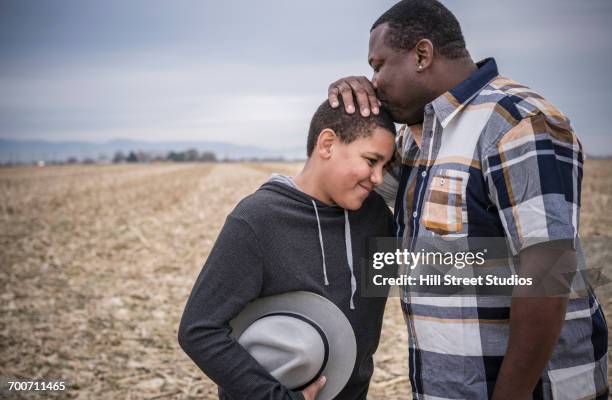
{"type": "Point", "coordinates": [224, 150]}
{"type": "Point", "coordinates": [36, 151]}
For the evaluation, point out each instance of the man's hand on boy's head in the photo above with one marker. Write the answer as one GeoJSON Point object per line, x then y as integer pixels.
{"type": "Point", "coordinates": [311, 392]}
{"type": "Point", "coordinates": [358, 86]}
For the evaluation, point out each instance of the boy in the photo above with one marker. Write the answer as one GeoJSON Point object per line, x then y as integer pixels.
{"type": "Point", "coordinates": [297, 234]}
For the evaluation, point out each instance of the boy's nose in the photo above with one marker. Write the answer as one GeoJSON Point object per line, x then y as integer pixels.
{"type": "Point", "coordinates": [377, 177]}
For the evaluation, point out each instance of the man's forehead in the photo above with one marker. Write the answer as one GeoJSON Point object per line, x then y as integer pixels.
{"type": "Point", "coordinates": [377, 39]}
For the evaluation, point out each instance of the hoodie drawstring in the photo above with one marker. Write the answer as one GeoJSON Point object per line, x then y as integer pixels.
{"type": "Point", "coordinates": [349, 255]}
{"type": "Point", "coordinates": [349, 251]}
{"type": "Point", "coordinates": [321, 242]}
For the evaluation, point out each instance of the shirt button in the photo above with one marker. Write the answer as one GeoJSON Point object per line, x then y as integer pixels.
{"type": "Point", "coordinates": [414, 214]}
{"type": "Point", "coordinates": [424, 174]}
{"type": "Point", "coordinates": [441, 182]}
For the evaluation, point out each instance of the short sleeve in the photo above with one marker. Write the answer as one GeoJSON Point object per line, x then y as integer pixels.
{"type": "Point", "coordinates": [534, 174]}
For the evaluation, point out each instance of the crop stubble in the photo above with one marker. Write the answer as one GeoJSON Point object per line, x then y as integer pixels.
{"type": "Point", "coordinates": [98, 261]}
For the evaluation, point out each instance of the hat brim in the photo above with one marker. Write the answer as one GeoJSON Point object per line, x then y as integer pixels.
{"type": "Point", "coordinates": [331, 320]}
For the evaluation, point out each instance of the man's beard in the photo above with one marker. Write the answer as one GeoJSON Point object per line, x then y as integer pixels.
{"type": "Point", "coordinates": [402, 116]}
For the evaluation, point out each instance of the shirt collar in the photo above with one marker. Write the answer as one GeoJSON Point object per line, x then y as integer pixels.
{"type": "Point", "coordinates": [449, 104]}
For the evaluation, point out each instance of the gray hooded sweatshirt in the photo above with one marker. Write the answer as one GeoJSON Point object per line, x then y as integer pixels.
{"type": "Point", "coordinates": [279, 240]}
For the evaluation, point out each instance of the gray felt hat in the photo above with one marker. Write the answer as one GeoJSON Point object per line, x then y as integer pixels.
{"type": "Point", "coordinates": [297, 337]}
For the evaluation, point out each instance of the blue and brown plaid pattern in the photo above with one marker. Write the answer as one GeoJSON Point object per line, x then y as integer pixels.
{"type": "Point", "coordinates": [495, 159]}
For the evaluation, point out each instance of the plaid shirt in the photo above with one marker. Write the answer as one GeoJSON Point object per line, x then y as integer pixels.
{"type": "Point", "coordinates": [495, 160]}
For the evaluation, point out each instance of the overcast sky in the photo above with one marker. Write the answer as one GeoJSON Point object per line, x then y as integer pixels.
{"type": "Point", "coordinates": [253, 72]}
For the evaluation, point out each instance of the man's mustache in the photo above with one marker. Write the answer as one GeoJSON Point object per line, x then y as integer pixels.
{"type": "Point", "coordinates": [380, 96]}
{"type": "Point", "coordinates": [383, 100]}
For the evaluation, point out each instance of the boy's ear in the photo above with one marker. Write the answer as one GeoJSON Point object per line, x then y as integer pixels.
{"type": "Point", "coordinates": [325, 143]}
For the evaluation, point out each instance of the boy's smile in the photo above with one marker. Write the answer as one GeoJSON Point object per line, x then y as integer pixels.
{"type": "Point", "coordinates": [346, 156]}
{"type": "Point", "coordinates": [353, 170]}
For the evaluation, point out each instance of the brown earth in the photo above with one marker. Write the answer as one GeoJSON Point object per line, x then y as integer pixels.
{"type": "Point", "coordinates": [98, 261]}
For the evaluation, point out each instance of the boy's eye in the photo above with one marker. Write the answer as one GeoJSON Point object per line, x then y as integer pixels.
{"type": "Point", "coordinates": [371, 161]}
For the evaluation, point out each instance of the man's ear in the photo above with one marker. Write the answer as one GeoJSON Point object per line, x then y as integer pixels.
{"type": "Point", "coordinates": [325, 143]}
{"type": "Point", "coordinates": [424, 52]}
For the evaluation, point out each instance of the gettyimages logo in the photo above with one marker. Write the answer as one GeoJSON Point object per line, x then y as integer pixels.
{"type": "Point", "coordinates": [411, 260]}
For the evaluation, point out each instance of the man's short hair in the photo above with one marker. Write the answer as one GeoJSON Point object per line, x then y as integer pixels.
{"type": "Point", "coordinates": [348, 127]}
{"type": "Point", "coordinates": [412, 20]}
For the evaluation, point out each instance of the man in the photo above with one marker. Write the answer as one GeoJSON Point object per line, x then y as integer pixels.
{"type": "Point", "coordinates": [517, 167]}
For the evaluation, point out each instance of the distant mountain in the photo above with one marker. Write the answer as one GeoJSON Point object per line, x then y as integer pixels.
{"type": "Point", "coordinates": [26, 151]}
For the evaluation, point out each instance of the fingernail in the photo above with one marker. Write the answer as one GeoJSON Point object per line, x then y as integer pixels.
{"type": "Point", "coordinates": [323, 379]}
{"type": "Point", "coordinates": [365, 112]}
{"type": "Point", "coordinates": [350, 109]}
{"type": "Point", "coordinates": [375, 110]}
{"type": "Point", "coordinates": [334, 104]}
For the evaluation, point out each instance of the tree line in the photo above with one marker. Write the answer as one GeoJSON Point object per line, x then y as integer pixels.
{"type": "Point", "coordinates": [139, 156]}
{"type": "Point", "coordinates": [190, 155]}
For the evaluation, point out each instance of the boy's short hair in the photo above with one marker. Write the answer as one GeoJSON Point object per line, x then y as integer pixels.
{"type": "Point", "coordinates": [348, 127]}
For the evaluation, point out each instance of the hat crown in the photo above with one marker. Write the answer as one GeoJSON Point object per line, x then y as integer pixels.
{"type": "Point", "coordinates": [288, 346]}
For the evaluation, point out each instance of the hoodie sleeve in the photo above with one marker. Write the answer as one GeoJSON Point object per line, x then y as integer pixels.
{"type": "Point", "coordinates": [229, 280]}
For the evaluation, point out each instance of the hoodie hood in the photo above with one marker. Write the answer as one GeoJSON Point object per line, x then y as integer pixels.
{"type": "Point", "coordinates": [285, 185]}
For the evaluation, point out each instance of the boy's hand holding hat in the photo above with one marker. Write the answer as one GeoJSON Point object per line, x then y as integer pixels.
{"type": "Point", "coordinates": [302, 339]}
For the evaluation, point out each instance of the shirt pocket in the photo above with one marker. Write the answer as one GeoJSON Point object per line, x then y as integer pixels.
{"type": "Point", "coordinates": [444, 210]}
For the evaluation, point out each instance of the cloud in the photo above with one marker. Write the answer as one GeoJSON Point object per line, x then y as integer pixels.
{"type": "Point", "coordinates": [253, 72]}
{"type": "Point", "coordinates": [207, 102]}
